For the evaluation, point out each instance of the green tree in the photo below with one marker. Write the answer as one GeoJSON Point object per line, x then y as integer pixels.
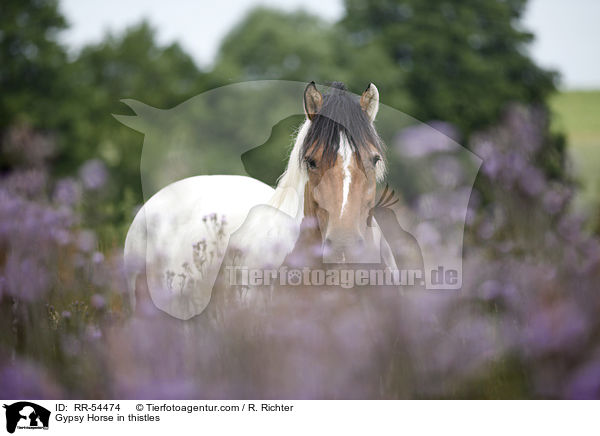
{"type": "Point", "coordinates": [460, 61]}
{"type": "Point", "coordinates": [31, 63]}
{"type": "Point", "coordinates": [272, 44]}
{"type": "Point", "coordinates": [128, 65]}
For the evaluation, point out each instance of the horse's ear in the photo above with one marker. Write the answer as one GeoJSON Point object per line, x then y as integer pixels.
{"type": "Point", "coordinates": [313, 100]}
{"type": "Point", "coordinates": [369, 101]}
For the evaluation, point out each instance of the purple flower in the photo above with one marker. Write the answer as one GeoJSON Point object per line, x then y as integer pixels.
{"type": "Point", "coordinates": [492, 166]}
{"type": "Point", "coordinates": [98, 301]}
{"type": "Point", "coordinates": [585, 383]}
{"type": "Point", "coordinates": [554, 200]}
{"type": "Point", "coordinates": [26, 277]}
{"type": "Point", "coordinates": [86, 240]}
{"type": "Point", "coordinates": [555, 329]}
{"type": "Point", "coordinates": [29, 183]}
{"type": "Point", "coordinates": [93, 174]}
{"type": "Point", "coordinates": [93, 333]}
{"type": "Point", "coordinates": [532, 181]}
{"type": "Point", "coordinates": [421, 140]}
{"type": "Point", "coordinates": [447, 171]}
{"type": "Point", "coordinates": [97, 257]}
{"type": "Point", "coordinates": [23, 379]}
{"type": "Point", "coordinates": [67, 192]}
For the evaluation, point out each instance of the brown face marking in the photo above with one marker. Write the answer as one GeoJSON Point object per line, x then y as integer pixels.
{"type": "Point", "coordinates": [341, 195]}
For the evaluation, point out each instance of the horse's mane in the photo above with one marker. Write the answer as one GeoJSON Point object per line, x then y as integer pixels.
{"type": "Point", "coordinates": [289, 194]}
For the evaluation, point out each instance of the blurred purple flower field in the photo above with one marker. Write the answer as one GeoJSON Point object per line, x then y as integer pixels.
{"type": "Point", "coordinates": [524, 325]}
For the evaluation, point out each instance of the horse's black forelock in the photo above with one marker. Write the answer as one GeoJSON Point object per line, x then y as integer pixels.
{"type": "Point", "coordinates": [340, 114]}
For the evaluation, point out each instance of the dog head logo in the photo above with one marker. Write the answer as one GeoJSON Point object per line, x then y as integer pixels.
{"type": "Point", "coordinates": [26, 415]}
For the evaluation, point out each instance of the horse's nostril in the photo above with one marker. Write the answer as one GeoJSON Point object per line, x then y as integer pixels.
{"type": "Point", "coordinates": [328, 242]}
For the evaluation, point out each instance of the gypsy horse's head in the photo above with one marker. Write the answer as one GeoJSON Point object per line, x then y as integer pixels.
{"type": "Point", "coordinates": [344, 159]}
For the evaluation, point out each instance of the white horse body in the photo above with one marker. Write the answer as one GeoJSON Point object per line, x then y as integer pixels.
{"type": "Point", "coordinates": [178, 238]}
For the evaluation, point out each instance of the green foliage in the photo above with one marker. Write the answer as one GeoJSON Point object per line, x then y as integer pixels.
{"type": "Point", "coordinates": [32, 63]}
{"type": "Point", "coordinates": [127, 66]}
{"type": "Point", "coordinates": [462, 62]}
{"type": "Point", "coordinates": [271, 44]}
{"type": "Point", "coordinates": [458, 62]}
{"type": "Point", "coordinates": [124, 66]}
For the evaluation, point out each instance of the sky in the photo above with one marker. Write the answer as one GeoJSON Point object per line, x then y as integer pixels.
{"type": "Point", "coordinates": [567, 31]}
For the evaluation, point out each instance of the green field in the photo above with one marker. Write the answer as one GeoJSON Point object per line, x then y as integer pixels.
{"type": "Point", "coordinates": [577, 113]}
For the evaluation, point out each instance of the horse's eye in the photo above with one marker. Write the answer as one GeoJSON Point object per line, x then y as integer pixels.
{"type": "Point", "coordinates": [311, 163]}
{"type": "Point", "coordinates": [376, 159]}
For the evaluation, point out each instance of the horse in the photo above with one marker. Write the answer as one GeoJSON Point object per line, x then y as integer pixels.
{"type": "Point", "coordinates": [187, 232]}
